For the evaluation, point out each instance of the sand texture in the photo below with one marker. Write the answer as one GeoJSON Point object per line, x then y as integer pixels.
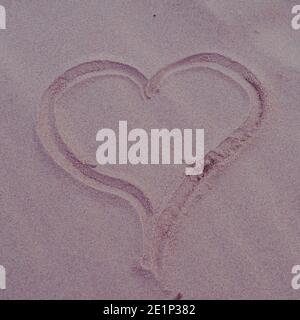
{"type": "Point", "coordinates": [73, 229]}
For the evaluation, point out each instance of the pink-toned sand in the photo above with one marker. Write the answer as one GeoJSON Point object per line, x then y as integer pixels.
{"type": "Point", "coordinates": [69, 230]}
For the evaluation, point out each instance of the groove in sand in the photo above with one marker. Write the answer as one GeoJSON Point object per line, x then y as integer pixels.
{"type": "Point", "coordinates": [159, 228]}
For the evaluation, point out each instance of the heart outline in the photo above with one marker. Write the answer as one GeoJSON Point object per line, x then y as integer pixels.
{"type": "Point", "coordinates": [82, 171]}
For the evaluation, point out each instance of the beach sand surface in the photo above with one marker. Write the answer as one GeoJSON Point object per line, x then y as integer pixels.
{"type": "Point", "coordinates": [237, 234]}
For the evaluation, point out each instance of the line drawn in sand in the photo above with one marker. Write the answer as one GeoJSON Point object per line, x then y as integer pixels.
{"type": "Point", "coordinates": [159, 228]}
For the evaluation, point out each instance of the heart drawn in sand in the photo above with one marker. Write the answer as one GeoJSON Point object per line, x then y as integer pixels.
{"type": "Point", "coordinates": [157, 192]}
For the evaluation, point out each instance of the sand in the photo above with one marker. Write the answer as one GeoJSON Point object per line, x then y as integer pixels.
{"type": "Point", "coordinates": [70, 230]}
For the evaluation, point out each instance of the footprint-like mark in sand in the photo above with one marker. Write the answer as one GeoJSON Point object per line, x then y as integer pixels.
{"type": "Point", "coordinates": [159, 227]}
